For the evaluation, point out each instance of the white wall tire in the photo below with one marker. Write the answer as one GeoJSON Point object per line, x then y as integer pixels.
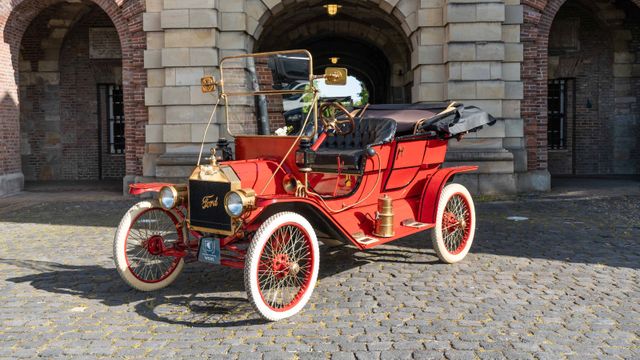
{"type": "Point", "coordinates": [455, 224]}
{"type": "Point", "coordinates": [281, 266]}
{"type": "Point", "coordinates": [130, 251]}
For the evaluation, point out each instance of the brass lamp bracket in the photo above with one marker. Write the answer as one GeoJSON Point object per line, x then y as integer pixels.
{"type": "Point", "coordinates": [208, 83]}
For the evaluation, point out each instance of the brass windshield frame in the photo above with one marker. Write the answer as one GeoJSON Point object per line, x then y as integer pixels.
{"type": "Point", "coordinates": [224, 95]}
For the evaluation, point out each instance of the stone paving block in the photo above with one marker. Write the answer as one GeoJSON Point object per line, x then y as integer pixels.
{"type": "Point", "coordinates": [524, 291]}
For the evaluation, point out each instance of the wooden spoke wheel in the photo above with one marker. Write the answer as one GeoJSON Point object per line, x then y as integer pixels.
{"type": "Point", "coordinates": [140, 245]}
{"type": "Point", "coordinates": [455, 224]}
{"type": "Point", "coordinates": [281, 266]}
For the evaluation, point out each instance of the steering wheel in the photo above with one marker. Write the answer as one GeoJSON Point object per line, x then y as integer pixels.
{"type": "Point", "coordinates": [331, 121]}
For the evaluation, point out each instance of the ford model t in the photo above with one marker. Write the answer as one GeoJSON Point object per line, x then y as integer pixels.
{"type": "Point", "coordinates": [363, 176]}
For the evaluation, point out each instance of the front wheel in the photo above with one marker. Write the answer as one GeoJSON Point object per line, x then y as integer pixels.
{"type": "Point", "coordinates": [281, 266]}
{"type": "Point", "coordinates": [455, 224]}
{"type": "Point", "coordinates": [145, 232]}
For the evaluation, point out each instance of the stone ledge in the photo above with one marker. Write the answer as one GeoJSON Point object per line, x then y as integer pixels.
{"type": "Point", "coordinates": [11, 183]}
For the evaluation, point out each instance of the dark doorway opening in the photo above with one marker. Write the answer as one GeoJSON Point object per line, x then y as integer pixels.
{"type": "Point", "coordinates": [361, 37]}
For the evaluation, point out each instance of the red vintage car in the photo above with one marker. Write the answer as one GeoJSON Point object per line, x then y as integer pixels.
{"type": "Point", "coordinates": [262, 203]}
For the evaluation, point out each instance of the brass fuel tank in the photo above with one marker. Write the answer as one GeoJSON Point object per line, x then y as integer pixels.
{"type": "Point", "coordinates": [384, 218]}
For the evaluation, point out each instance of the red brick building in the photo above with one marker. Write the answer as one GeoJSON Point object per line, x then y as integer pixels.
{"type": "Point", "coordinates": [99, 89]}
{"type": "Point", "coordinates": [71, 72]}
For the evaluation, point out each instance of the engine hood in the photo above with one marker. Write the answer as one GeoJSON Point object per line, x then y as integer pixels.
{"type": "Point", "coordinates": [255, 174]}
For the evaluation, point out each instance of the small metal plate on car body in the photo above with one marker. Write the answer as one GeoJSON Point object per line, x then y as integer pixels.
{"type": "Point", "coordinates": [363, 239]}
{"type": "Point", "coordinates": [412, 223]}
{"type": "Point", "coordinates": [209, 251]}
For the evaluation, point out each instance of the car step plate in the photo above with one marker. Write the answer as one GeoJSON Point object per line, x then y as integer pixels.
{"type": "Point", "coordinates": [209, 251]}
{"type": "Point", "coordinates": [412, 223]}
{"type": "Point", "coordinates": [363, 239]}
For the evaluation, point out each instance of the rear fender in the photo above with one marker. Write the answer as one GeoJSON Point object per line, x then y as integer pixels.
{"type": "Point", "coordinates": [432, 190]}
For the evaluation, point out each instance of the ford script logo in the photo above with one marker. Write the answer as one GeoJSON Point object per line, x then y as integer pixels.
{"type": "Point", "coordinates": [209, 201]}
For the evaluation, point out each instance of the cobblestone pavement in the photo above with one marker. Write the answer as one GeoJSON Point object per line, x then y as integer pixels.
{"type": "Point", "coordinates": [564, 283]}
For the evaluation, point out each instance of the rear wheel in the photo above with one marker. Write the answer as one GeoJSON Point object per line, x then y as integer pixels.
{"type": "Point", "coordinates": [145, 232]}
{"type": "Point", "coordinates": [455, 224]}
{"type": "Point", "coordinates": [281, 266]}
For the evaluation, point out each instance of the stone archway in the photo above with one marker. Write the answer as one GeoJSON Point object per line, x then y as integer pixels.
{"type": "Point", "coordinates": [372, 40]}
{"type": "Point", "coordinates": [15, 18]}
{"type": "Point", "coordinates": [535, 33]}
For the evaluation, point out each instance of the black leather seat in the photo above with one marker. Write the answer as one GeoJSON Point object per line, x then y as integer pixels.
{"type": "Point", "coordinates": [347, 152]}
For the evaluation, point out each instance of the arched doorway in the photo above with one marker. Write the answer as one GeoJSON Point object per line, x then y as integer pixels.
{"type": "Point", "coordinates": [593, 124]}
{"type": "Point", "coordinates": [71, 108]}
{"type": "Point", "coordinates": [48, 46]}
{"type": "Point", "coordinates": [580, 74]}
{"type": "Point", "coordinates": [363, 38]}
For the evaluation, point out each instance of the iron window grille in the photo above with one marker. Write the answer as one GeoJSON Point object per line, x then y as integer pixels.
{"type": "Point", "coordinates": [115, 117]}
{"type": "Point", "coordinates": [557, 114]}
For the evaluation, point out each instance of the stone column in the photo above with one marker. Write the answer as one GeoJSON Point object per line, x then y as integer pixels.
{"type": "Point", "coordinates": [429, 74]}
{"type": "Point", "coordinates": [182, 46]}
{"type": "Point", "coordinates": [482, 57]}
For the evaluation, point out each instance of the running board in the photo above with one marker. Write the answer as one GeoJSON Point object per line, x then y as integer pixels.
{"type": "Point", "coordinates": [363, 239]}
{"type": "Point", "coordinates": [412, 223]}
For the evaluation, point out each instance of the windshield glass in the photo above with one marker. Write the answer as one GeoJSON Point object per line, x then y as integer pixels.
{"type": "Point", "coordinates": [268, 93]}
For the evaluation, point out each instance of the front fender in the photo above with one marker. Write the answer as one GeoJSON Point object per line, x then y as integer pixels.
{"type": "Point", "coordinates": [141, 188]}
{"type": "Point", "coordinates": [432, 190]}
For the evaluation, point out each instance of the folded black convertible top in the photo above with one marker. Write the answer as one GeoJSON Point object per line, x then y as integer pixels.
{"type": "Point", "coordinates": [447, 119]}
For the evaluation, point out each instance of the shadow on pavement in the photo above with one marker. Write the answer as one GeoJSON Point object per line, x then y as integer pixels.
{"type": "Point", "coordinates": [200, 297]}
{"type": "Point", "coordinates": [603, 232]}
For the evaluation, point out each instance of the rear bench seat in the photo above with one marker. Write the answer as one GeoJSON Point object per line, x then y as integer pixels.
{"type": "Point", "coordinates": [349, 150]}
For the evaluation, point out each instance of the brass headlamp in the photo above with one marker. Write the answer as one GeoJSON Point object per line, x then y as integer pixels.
{"type": "Point", "coordinates": [172, 196]}
{"type": "Point", "coordinates": [237, 202]}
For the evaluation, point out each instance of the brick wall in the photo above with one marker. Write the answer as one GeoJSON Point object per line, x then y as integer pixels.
{"type": "Point", "coordinates": [617, 95]}
{"type": "Point", "coordinates": [80, 76]}
{"type": "Point", "coordinates": [15, 17]}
